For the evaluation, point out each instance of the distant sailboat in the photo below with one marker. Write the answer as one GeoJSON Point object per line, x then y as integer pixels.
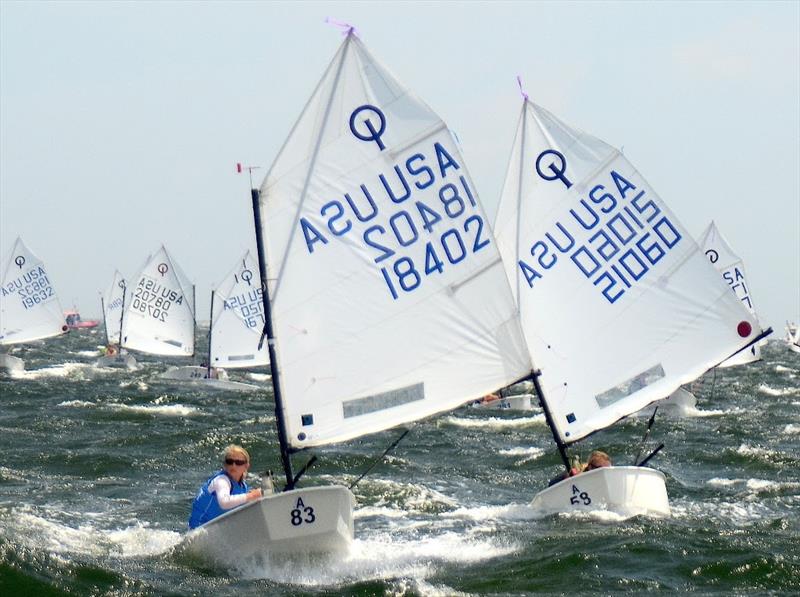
{"type": "Point", "coordinates": [160, 317]}
{"type": "Point", "coordinates": [113, 305]}
{"type": "Point", "coordinates": [616, 300]}
{"type": "Point", "coordinates": [381, 304]}
{"type": "Point", "coordinates": [29, 306]}
{"type": "Point", "coordinates": [234, 331]}
{"type": "Point", "coordinates": [793, 336]}
{"type": "Point", "coordinates": [719, 252]}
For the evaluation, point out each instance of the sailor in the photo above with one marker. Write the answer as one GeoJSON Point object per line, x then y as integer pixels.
{"type": "Point", "coordinates": [225, 489]}
{"type": "Point", "coordinates": [597, 459]}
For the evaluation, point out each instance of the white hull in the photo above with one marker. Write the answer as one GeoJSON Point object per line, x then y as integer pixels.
{"type": "Point", "coordinates": [521, 402]}
{"type": "Point", "coordinates": [199, 376]}
{"type": "Point", "coordinates": [794, 347]}
{"type": "Point", "coordinates": [680, 401]}
{"type": "Point", "coordinates": [625, 490]}
{"type": "Point", "coordinates": [118, 361]}
{"type": "Point", "coordinates": [11, 364]}
{"type": "Point", "coordinates": [301, 522]}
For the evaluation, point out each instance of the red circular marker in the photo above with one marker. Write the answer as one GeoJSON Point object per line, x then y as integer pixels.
{"type": "Point", "coordinates": [744, 328]}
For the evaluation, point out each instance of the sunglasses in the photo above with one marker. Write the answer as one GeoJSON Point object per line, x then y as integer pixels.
{"type": "Point", "coordinates": [235, 461]}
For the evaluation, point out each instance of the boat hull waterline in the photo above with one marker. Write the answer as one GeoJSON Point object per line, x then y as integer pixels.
{"type": "Point", "coordinates": [199, 376]}
{"type": "Point", "coordinates": [300, 522]}
{"type": "Point", "coordinates": [625, 490]}
{"type": "Point", "coordinates": [119, 361]}
{"type": "Point", "coordinates": [11, 364]}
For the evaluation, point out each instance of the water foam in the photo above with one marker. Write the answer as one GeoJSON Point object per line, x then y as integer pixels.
{"type": "Point", "coordinates": [765, 389]}
{"type": "Point", "coordinates": [492, 422]}
{"type": "Point", "coordinates": [529, 453]}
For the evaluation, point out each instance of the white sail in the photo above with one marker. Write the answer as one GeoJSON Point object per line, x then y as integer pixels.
{"type": "Point", "coordinates": [719, 252]}
{"type": "Point", "coordinates": [159, 309]}
{"type": "Point", "coordinates": [389, 300]}
{"type": "Point", "coordinates": [113, 302]}
{"type": "Point", "coordinates": [29, 306]}
{"type": "Point", "coordinates": [237, 320]}
{"type": "Point", "coordinates": [619, 306]}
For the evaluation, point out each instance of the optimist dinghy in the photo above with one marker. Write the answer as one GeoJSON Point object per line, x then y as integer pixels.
{"type": "Point", "coordinates": [234, 331]}
{"type": "Point", "coordinates": [374, 241]}
{"type": "Point", "coordinates": [618, 304]}
{"type": "Point", "coordinates": [113, 307]}
{"type": "Point", "coordinates": [29, 306]}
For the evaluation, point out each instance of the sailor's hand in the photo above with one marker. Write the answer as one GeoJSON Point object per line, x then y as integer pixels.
{"type": "Point", "coordinates": [253, 494]}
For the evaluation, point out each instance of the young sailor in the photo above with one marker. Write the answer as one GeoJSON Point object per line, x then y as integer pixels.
{"type": "Point", "coordinates": [225, 489]}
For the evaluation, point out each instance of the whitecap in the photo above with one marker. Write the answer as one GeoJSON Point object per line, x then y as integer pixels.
{"type": "Point", "coordinates": [765, 389]}
{"type": "Point", "coordinates": [63, 370]}
{"type": "Point", "coordinates": [259, 376]}
{"type": "Point", "coordinates": [385, 556]}
{"type": "Point", "coordinates": [529, 453]}
{"type": "Point", "coordinates": [492, 422]}
{"type": "Point", "coordinates": [171, 410]}
{"type": "Point", "coordinates": [792, 429]}
{"type": "Point", "coordinates": [77, 403]}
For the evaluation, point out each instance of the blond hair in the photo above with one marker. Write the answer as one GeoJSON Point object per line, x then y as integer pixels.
{"type": "Point", "coordinates": [233, 449]}
{"type": "Point", "coordinates": [597, 459]}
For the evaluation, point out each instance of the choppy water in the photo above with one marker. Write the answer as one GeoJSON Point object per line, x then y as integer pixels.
{"type": "Point", "coordinates": [98, 469]}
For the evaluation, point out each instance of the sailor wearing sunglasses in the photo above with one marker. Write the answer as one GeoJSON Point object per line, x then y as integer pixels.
{"type": "Point", "coordinates": [225, 489]}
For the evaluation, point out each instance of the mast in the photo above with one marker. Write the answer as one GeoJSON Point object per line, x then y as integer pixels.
{"type": "Point", "coordinates": [122, 311]}
{"type": "Point", "coordinates": [210, 327]}
{"type": "Point", "coordinates": [286, 460]}
{"type": "Point", "coordinates": [105, 321]}
{"type": "Point", "coordinates": [194, 318]}
{"type": "Point", "coordinates": [562, 448]}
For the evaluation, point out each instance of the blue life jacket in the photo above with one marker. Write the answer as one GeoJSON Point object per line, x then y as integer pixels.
{"type": "Point", "coordinates": [206, 506]}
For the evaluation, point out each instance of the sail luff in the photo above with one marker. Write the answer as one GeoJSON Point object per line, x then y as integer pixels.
{"type": "Point", "coordinates": [280, 412]}
{"type": "Point", "coordinates": [343, 50]}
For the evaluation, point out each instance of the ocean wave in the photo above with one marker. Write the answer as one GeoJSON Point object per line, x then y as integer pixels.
{"type": "Point", "coordinates": [492, 422]}
{"type": "Point", "coordinates": [386, 556]}
{"type": "Point", "coordinates": [765, 389]}
{"type": "Point", "coordinates": [63, 370]}
{"type": "Point", "coordinates": [37, 532]}
{"type": "Point", "coordinates": [737, 513]}
{"type": "Point", "coordinates": [259, 376]}
{"type": "Point", "coordinates": [170, 410]}
{"type": "Point", "coordinates": [758, 452]}
{"type": "Point", "coordinates": [529, 453]}
{"type": "Point", "coordinates": [782, 369]}
{"type": "Point", "coordinates": [791, 429]}
{"type": "Point", "coordinates": [753, 485]}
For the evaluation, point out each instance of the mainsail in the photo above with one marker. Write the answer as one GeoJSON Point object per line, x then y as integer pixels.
{"type": "Point", "coordinates": [29, 306]}
{"type": "Point", "coordinates": [388, 297]}
{"type": "Point", "coordinates": [719, 252]}
{"type": "Point", "coordinates": [237, 319]}
{"type": "Point", "coordinates": [159, 314]}
{"type": "Point", "coordinates": [619, 305]}
{"type": "Point", "coordinates": [113, 304]}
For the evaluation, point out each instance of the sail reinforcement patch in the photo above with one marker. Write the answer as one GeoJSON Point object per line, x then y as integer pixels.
{"type": "Point", "coordinates": [371, 404]}
{"type": "Point", "coordinates": [634, 384]}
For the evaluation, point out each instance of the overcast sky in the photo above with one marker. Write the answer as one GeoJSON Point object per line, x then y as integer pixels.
{"type": "Point", "coordinates": [121, 123]}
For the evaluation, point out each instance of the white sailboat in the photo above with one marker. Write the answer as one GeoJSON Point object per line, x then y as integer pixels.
{"type": "Point", "coordinates": [234, 332]}
{"type": "Point", "coordinates": [719, 252]}
{"type": "Point", "coordinates": [792, 336]}
{"type": "Point", "coordinates": [29, 306]}
{"type": "Point", "coordinates": [113, 306]}
{"type": "Point", "coordinates": [617, 302]}
{"type": "Point", "coordinates": [382, 304]}
{"type": "Point", "coordinates": [159, 317]}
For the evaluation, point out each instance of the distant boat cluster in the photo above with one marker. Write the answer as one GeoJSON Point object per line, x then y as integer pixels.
{"type": "Point", "coordinates": [392, 297]}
